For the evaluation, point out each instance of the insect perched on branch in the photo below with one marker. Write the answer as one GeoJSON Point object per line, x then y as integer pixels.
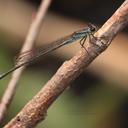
{"type": "Point", "coordinates": [28, 57]}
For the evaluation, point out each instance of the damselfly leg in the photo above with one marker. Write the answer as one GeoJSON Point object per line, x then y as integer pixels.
{"type": "Point", "coordinates": [82, 42]}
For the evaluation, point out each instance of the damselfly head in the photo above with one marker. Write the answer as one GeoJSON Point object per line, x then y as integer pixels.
{"type": "Point", "coordinates": [92, 28]}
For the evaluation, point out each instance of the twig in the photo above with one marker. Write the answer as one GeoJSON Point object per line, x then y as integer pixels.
{"type": "Point", "coordinates": [28, 44]}
{"type": "Point", "coordinates": [35, 110]}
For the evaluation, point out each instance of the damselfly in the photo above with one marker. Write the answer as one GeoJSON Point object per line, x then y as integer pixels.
{"type": "Point", "coordinates": [80, 34]}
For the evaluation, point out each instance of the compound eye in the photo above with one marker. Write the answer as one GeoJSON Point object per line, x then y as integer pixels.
{"type": "Point", "coordinates": [93, 29]}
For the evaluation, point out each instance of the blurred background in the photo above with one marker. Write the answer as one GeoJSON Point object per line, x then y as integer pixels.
{"type": "Point", "coordinates": [98, 97]}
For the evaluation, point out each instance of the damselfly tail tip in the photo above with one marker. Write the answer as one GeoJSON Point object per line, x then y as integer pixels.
{"type": "Point", "coordinates": [0, 76]}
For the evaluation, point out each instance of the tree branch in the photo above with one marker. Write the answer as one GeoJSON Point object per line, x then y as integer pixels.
{"type": "Point", "coordinates": [35, 110]}
{"type": "Point", "coordinates": [28, 44]}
